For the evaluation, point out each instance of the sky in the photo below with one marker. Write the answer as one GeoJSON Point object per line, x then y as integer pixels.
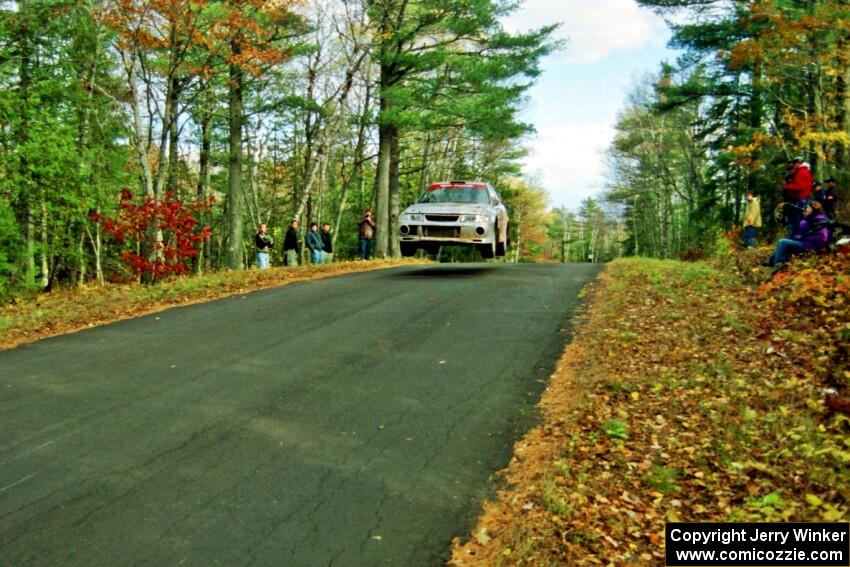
{"type": "Point", "coordinates": [610, 46]}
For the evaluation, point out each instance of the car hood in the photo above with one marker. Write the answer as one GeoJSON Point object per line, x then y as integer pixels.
{"type": "Point", "coordinates": [448, 209]}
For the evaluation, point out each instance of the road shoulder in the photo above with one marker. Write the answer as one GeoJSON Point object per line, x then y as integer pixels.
{"type": "Point", "coordinates": [68, 311]}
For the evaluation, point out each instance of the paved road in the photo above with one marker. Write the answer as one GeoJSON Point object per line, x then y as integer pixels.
{"type": "Point", "coordinates": [352, 421]}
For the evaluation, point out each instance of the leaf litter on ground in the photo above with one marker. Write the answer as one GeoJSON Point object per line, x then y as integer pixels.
{"type": "Point", "coordinates": [687, 394]}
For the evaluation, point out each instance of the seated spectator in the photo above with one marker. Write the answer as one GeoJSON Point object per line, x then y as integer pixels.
{"type": "Point", "coordinates": [812, 234]}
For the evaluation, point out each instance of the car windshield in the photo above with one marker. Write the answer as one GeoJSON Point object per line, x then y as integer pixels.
{"type": "Point", "coordinates": [472, 195]}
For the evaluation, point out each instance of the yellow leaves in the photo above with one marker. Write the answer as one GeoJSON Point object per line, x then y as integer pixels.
{"type": "Point", "coordinates": [482, 537]}
{"type": "Point", "coordinates": [813, 500]}
{"type": "Point", "coordinates": [832, 138]}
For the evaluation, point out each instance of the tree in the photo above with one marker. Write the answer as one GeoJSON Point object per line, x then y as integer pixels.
{"type": "Point", "coordinates": [444, 63]}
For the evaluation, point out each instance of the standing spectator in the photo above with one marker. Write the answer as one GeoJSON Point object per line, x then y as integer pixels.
{"type": "Point", "coordinates": [367, 234]}
{"type": "Point", "coordinates": [827, 198]}
{"type": "Point", "coordinates": [264, 244]}
{"type": "Point", "coordinates": [752, 220]}
{"type": "Point", "coordinates": [314, 243]}
{"type": "Point", "coordinates": [811, 234]}
{"type": "Point", "coordinates": [291, 246]}
{"type": "Point", "coordinates": [327, 244]}
{"type": "Point", "coordinates": [796, 192]}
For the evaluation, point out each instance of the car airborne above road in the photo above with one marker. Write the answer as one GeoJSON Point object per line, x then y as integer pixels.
{"type": "Point", "coordinates": [456, 213]}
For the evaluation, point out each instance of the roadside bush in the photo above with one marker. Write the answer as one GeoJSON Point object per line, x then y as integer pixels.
{"type": "Point", "coordinates": [179, 233]}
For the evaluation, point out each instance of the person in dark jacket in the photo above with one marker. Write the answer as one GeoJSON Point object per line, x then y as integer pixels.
{"type": "Point", "coordinates": [827, 198]}
{"type": "Point", "coordinates": [327, 244]}
{"type": "Point", "coordinates": [367, 234]}
{"type": "Point", "coordinates": [264, 244]}
{"type": "Point", "coordinates": [313, 241]}
{"type": "Point", "coordinates": [812, 234]}
{"type": "Point", "coordinates": [796, 192]}
{"type": "Point", "coordinates": [291, 246]}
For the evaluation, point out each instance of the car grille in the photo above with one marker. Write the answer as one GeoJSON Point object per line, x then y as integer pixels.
{"type": "Point", "coordinates": [441, 218]}
{"type": "Point", "coordinates": [441, 231]}
{"type": "Point", "coordinates": [414, 229]}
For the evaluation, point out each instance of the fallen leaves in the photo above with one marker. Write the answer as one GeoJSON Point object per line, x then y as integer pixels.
{"type": "Point", "coordinates": [685, 396]}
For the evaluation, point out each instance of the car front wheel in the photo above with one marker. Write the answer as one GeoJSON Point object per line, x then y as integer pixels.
{"type": "Point", "coordinates": [501, 247]}
{"type": "Point", "coordinates": [487, 250]}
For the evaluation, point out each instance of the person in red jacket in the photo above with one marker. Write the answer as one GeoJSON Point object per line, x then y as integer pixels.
{"type": "Point", "coordinates": [796, 192]}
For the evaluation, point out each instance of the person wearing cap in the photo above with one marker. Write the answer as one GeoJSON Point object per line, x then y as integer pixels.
{"type": "Point", "coordinates": [796, 192]}
{"type": "Point", "coordinates": [752, 220]}
{"type": "Point", "coordinates": [826, 197]}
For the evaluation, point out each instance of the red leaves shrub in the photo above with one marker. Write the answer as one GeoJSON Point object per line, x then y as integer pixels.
{"type": "Point", "coordinates": [159, 237]}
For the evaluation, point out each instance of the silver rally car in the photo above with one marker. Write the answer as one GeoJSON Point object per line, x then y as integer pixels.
{"type": "Point", "coordinates": [456, 213]}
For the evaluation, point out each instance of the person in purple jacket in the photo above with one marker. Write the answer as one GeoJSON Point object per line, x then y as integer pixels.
{"type": "Point", "coordinates": [812, 234]}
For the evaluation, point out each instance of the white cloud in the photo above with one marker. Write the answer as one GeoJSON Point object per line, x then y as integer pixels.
{"type": "Point", "coordinates": [568, 160]}
{"type": "Point", "coordinates": [593, 29]}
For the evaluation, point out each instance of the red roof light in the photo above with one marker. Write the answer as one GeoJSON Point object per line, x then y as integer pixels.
{"type": "Point", "coordinates": [435, 186]}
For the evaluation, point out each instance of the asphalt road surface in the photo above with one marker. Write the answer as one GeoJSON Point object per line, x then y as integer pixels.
{"type": "Point", "coordinates": [351, 421]}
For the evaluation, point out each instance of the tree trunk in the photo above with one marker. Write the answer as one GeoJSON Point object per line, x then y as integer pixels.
{"type": "Point", "coordinates": [139, 139]}
{"type": "Point", "coordinates": [842, 157]}
{"type": "Point", "coordinates": [22, 135]}
{"type": "Point", "coordinates": [382, 197]}
{"type": "Point", "coordinates": [394, 199]}
{"type": "Point", "coordinates": [202, 261]}
{"type": "Point", "coordinates": [234, 252]}
{"type": "Point", "coordinates": [45, 246]}
{"type": "Point", "coordinates": [173, 135]}
{"type": "Point", "coordinates": [169, 117]}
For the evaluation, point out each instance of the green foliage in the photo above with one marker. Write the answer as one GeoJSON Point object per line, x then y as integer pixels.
{"type": "Point", "coordinates": [757, 82]}
{"type": "Point", "coordinates": [9, 244]}
{"type": "Point", "coordinates": [616, 429]}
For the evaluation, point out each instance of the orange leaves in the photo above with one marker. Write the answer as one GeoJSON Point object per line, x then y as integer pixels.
{"type": "Point", "coordinates": [683, 397]}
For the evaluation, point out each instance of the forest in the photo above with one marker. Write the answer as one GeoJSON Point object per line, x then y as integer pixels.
{"type": "Point", "coordinates": [757, 83]}
{"type": "Point", "coordinates": [145, 138]}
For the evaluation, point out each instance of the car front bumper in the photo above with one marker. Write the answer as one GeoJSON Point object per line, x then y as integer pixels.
{"type": "Point", "coordinates": [450, 233]}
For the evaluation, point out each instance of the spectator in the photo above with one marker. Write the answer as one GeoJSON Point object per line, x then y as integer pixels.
{"type": "Point", "coordinates": [367, 234]}
{"type": "Point", "coordinates": [327, 244]}
{"type": "Point", "coordinates": [314, 244]}
{"type": "Point", "coordinates": [796, 192]}
{"type": "Point", "coordinates": [264, 244]}
{"type": "Point", "coordinates": [811, 234]}
{"type": "Point", "coordinates": [752, 220]}
{"type": "Point", "coordinates": [827, 198]}
{"type": "Point", "coordinates": [291, 246]}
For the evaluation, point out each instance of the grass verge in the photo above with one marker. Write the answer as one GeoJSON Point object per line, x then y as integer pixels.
{"type": "Point", "coordinates": [685, 396]}
{"type": "Point", "coordinates": [71, 310]}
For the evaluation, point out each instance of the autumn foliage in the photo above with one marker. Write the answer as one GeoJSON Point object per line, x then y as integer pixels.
{"type": "Point", "coordinates": [685, 396]}
{"type": "Point", "coordinates": [174, 224]}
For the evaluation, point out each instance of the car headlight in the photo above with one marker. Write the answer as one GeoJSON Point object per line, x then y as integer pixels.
{"type": "Point", "coordinates": [411, 217]}
{"type": "Point", "coordinates": [476, 218]}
